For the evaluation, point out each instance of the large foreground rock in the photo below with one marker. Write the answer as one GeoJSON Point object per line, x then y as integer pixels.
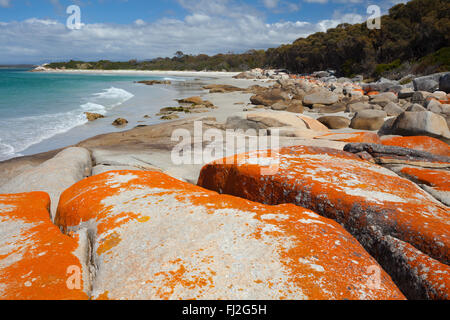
{"type": "Point", "coordinates": [436, 182]}
{"type": "Point", "coordinates": [155, 237]}
{"type": "Point", "coordinates": [36, 259]}
{"type": "Point", "coordinates": [401, 225]}
{"type": "Point", "coordinates": [53, 176]}
{"type": "Point", "coordinates": [421, 143]}
{"type": "Point", "coordinates": [363, 137]}
{"type": "Point", "coordinates": [391, 155]}
{"type": "Point", "coordinates": [420, 123]}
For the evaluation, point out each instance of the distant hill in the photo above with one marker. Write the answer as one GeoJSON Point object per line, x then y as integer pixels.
{"type": "Point", "coordinates": [414, 38]}
{"type": "Point", "coordinates": [416, 33]}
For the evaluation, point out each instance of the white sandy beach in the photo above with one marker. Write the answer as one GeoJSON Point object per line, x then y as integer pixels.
{"type": "Point", "coordinates": [212, 74]}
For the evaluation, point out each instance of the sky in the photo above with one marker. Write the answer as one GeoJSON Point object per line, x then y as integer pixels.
{"type": "Point", "coordinates": [35, 31]}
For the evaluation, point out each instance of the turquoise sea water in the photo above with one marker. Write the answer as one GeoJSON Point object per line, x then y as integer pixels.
{"type": "Point", "coordinates": [36, 107]}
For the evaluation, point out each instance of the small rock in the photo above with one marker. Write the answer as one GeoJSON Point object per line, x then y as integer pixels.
{"type": "Point", "coordinates": [393, 109]}
{"type": "Point", "coordinates": [120, 122]}
{"type": "Point", "coordinates": [415, 108]}
{"type": "Point", "coordinates": [434, 106]}
{"type": "Point", "coordinates": [153, 82]}
{"type": "Point", "coordinates": [420, 97]}
{"type": "Point", "coordinates": [295, 107]}
{"type": "Point", "coordinates": [93, 116]}
{"type": "Point", "coordinates": [192, 100]}
{"type": "Point", "coordinates": [279, 106]}
{"type": "Point", "coordinates": [322, 97]}
{"type": "Point", "coordinates": [444, 83]}
{"type": "Point", "coordinates": [334, 122]}
{"type": "Point", "coordinates": [269, 97]}
{"type": "Point", "coordinates": [383, 99]}
{"type": "Point", "coordinates": [439, 95]}
{"type": "Point", "coordinates": [358, 106]}
{"type": "Point", "coordinates": [170, 117]}
{"type": "Point", "coordinates": [368, 120]}
{"type": "Point", "coordinates": [405, 93]}
{"type": "Point", "coordinates": [334, 108]}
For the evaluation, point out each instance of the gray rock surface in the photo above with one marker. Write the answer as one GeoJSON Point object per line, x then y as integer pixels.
{"type": "Point", "coordinates": [368, 120]}
{"type": "Point", "coordinates": [428, 83]}
{"type": "Point", "coordinates": [393, 109]}
{"type": "Point", "coordinates": [434, 106]}
{"type": "Point", "coordinates": [321, 97]}
{"type": "Point", "coordinates": [379, 151]}
{"type": "Point", "coordinates": [335, 122]}
{"type": "Point", "coordinates": [53, 176]}
{"type": "Point", "coordinates": [444, 83]}
{"type": "Point", "coordinates": [421, 123]}
{"type": "Point", "coordinates": [416, 108]}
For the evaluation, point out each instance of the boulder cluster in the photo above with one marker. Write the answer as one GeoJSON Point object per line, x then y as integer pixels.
{"type": "Point", "coordinates": [187, 105]}
{"type": "Point", "coordinates": [329, 215]}
{"type": "Point", "coordinates": [153, 82]}
{"type": "Point", "coordinates": [401, 225]}
{"type": "Point", "coordinates": [420, 107]}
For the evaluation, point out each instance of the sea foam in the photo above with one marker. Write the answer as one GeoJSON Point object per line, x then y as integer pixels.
{"type": "Point", "coordinates": [113, 97]}
{"type": "Point", "coordinates": [18, 134]}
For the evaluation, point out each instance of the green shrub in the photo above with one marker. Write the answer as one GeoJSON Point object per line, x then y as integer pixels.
{"type": "Point", "coordinates": [382, 68]}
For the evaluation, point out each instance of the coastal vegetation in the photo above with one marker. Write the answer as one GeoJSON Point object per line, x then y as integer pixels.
{"type": "Point", "coordinates": [414, 37]}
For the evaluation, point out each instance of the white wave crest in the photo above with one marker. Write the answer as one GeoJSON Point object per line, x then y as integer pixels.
{"type": "Point", "coordinates": [35, 129]}
{"type": "Point", "coordinates": [113, 97]}
{"type": "Point", "coordinates": [93, 107]}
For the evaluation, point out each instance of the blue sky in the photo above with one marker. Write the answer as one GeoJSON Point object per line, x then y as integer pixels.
{"type": "Point", "coordinates": [35, 31]}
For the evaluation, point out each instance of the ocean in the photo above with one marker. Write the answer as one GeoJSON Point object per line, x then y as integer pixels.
{"type": "Point", "coordinates": [44, 111]}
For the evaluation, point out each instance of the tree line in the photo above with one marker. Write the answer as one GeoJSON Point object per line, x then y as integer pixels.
{"type": "Point", "coordinates": [414, 37]}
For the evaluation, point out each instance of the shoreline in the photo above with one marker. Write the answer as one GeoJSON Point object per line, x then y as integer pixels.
{"type": "Point", "coordinates": [351, 177]}
{"type": "Point", "coordinates": [179, 89]}
{"type": "Point", "coordinates": [143, 102]}
{"type": "Point", "coordinates": [226, 104]}
{"type": "Point", "coordinates": [213, 74]}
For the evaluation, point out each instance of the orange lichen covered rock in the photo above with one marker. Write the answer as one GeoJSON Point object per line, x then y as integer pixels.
{"type": "Point", "coordinates": [436, 182]}
{"type": "Point", "coordinates": [372, 202]}
{"type": "Point", "coordinates": [35, 256]}
{"type": "Point", "coordinates": [422, 143]}
{"type": "Point", "coordinates": [356, 137]}
{"type": "Point", "coordinates": [155, 237]}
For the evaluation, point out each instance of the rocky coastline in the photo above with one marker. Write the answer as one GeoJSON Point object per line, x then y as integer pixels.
{"type": "Point", "coordinates": [352, 203]}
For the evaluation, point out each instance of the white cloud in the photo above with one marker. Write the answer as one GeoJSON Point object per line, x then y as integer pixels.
{"type": "Point", "coordinates": [197, 18]}
{"type": "Point", "coordinates": [270, 3]}
{"type": "Point", "coordinates": [42, 21]}
{"type": "Point", "coordinates": [337, 1]}
{"type": "Point", "coordinates": [210, 27]}
{"type": "Point", "coordinates": [316, 1]}
{"type": "Point", "coordinates": [139, 22]}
